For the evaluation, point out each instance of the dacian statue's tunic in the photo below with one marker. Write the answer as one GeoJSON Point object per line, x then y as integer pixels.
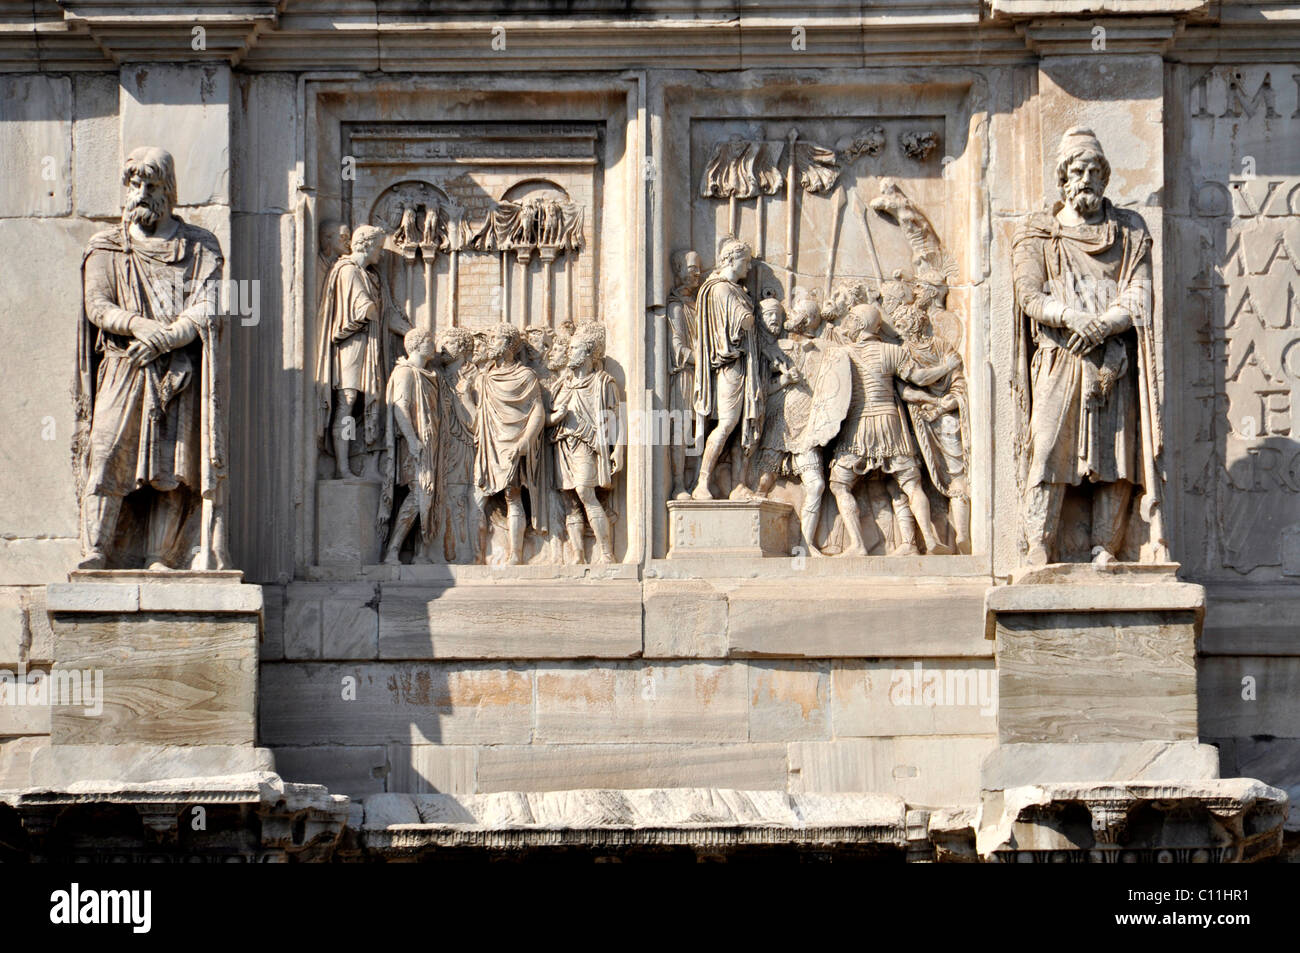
{"type": "Point", "coordinates": [1093, 268]}
{"type": "Point", "coordinates": [144, 426]}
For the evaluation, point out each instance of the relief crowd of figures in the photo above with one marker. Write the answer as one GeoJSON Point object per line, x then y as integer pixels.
{"type": "Point", "coordinates": [467, 424]}
{"type": "Point", "coordinates": [523, 426]}
{"type": "Point", "coordinates": [816, 393]}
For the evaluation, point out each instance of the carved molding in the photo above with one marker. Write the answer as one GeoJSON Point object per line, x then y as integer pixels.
{"type": "Point", "coordinates": [307, 34]}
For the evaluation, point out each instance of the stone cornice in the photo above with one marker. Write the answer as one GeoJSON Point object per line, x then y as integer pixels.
{"type": "Point", "coordinates": [404, 36]}
{"type": "Point", "coordinates": [1061, 36]}
{"type": "Point", "coordinates": [131, 31]}
{"type": "Point", "coordinates": [1198, 10]}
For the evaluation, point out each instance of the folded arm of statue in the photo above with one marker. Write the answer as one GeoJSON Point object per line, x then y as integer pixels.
{"type": "Point", "coordinates": [179, 333]}
{"type": "Point", "coordinates": [925, 376]}
{"type": "Point", "coordinates": [148, 332]}
{"type": "Point", "coordinates": [914, 395]}
{"type": "Point", "coordinates": [356, 321]}
{"type": "Point", "coordinates": [154, 339]}
{"type": "Point", "coordinates": [1117, 320]}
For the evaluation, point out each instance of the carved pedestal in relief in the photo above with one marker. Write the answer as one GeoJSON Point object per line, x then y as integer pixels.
{"type": "Point", "coordinates": [703, 528]}
{"type": "Point", "coordinates": [346, 534]}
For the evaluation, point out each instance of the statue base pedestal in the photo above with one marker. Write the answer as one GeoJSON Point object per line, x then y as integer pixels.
{"type": "Point", "coordinates": [1090, 654]}
{"type": "Point", "coordinates": [153, 701]}
{"type": "Point", "coordinates": [1099, 757]}
{"type": "Point", "coordinates": [145, 661]}
{"type": "Point", "coordinates": [346, 511]}
{"type": "Point", "coordinates": [713, 528]}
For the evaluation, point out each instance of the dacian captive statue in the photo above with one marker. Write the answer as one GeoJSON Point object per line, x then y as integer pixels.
{"type": "Point", "coordinates": [1086, 383]}
{"type": "Point", "coordinates": [150, 420]}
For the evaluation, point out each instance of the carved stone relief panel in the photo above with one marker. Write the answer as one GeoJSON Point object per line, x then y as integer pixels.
{"type": "Point", "coordinates": [1238, 266]}
{"type": "Point", "coordinates": [817, 352]}
{"type": "Point", "coordinates": [491, 429]}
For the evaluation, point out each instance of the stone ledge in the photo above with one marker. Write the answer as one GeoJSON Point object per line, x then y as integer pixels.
{"type": "Point", "coordinates": [1231, 820]}
{"type": "Point", "coordinates": [97, 597]}
{"type": "Point", "coordinates": [1018, 9]}
{"type": "Point", "coordinates": [508, 621]}
{"type": "Point", "coordinates": [77, 767]}
{"type": "Point", "coordinates": [1018, 765]}
{"type": "Point", "coordinates": [443, 574]}
{"type": "Point", "coordinates": [923, 569]}
{"type": "Point", "coordinates": [252, 787]}
{"type": "Point", "coordinates": [694, 817]}
{"type": "Point", "coordinates": [178, 593]}
{"type": "Point", "coordinates": [1111, 595]}
{"type": "Point", "coordinates": [255, 816]}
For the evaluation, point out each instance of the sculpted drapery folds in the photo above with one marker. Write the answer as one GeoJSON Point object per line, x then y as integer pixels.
{"type": "Point", "coordinates": [508, 433]}
{"type": "Point", "coordinates": [149, 403]}
{"type": "Point", "coordinates": [413, 435]}
{"type": "Point", "coordinates": [682, 322]}
{"type": "Point", "coordinates": [356, 322]}
{"type": "Point", "coordinates": [588, 446]}
{"type": "Point", "coordinates": [1086, 385]}
{"type": "Point", "coordinates": [461, 523]}
{"type": "Point", "coordinates": [726, 361]}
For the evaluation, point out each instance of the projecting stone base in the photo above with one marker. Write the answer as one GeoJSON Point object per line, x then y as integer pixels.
{"type": "Point", "coordinates": [708, 820]}
{"type": "Point", "coordinates": [60, 767]}
{"type": "Point", "coordinates": [715, 528]}
{"type": "Point", "coordinates": [253, 818]}
{"type": "Point", "coordinates": [1017, 765]}
{"type": "Point", "coordinates": [157, 659]}
{"type": "Point", "coordinates": [1098, 655]}
{"type": "Point", "coordinates": [345, 523]}
{"type": "Point", "coordinates": [1234, 820]}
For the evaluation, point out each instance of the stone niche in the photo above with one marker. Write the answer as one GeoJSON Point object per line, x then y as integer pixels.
{"type": "Point", "coordinates": [509, 207]}
{"type": "Point", "coordinates": [843, 189]}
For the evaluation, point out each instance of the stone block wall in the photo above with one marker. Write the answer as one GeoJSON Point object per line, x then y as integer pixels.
{"type": "Point", "coordinates": [770, 677]}
{"type": "Point", "coordinates": [489, 686]}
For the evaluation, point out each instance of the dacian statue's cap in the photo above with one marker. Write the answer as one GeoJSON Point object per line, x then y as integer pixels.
{"type": "Point", "coordinates": [1078, 139]}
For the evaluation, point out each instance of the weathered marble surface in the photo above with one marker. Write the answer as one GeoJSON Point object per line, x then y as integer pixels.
{"type": "Point", "coordinates": [1233, 820]}
{"type": "Point", "coordinates": [504, 681]}
{"type": "Point", "coordinates": [1096, 677]}
{"type": "Point", "coordinates": [398, 824]}
{"type": "Point", "coordinates": [177, 658]}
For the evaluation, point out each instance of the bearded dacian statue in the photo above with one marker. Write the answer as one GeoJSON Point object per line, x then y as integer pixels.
{"type": "Point", "coordinates": [1086, 386]}
{"type": "Point", "coordinates": [150, 444]}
